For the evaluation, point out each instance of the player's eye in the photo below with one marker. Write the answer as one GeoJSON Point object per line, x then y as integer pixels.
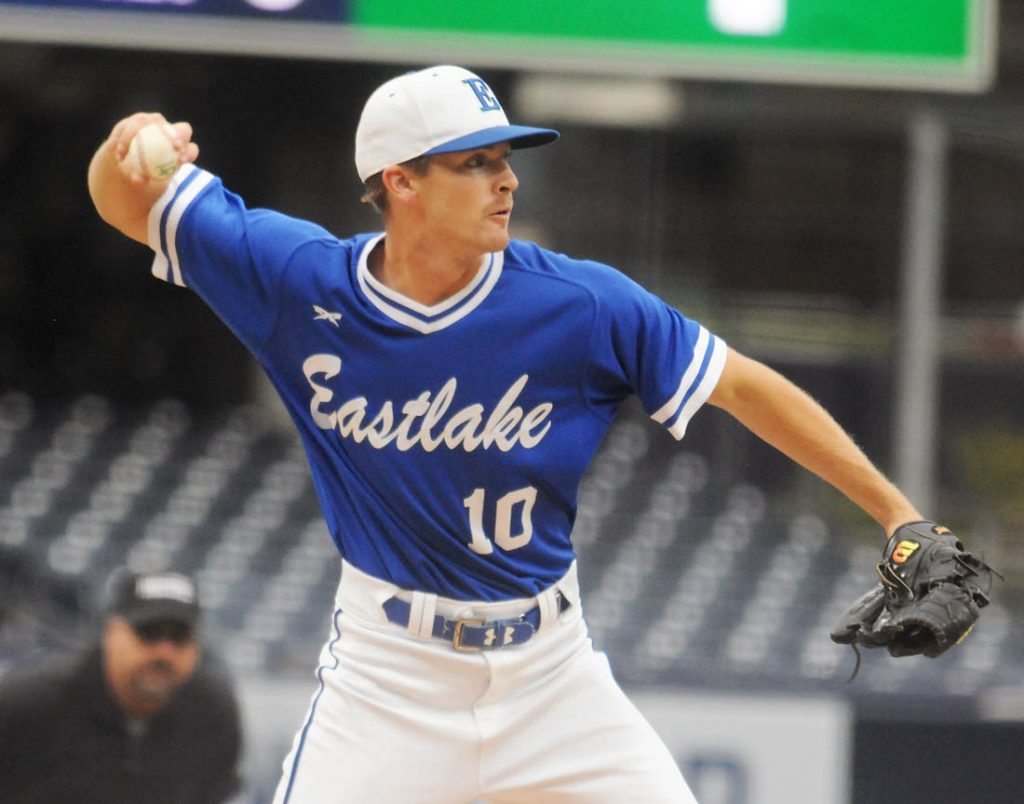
{"type": "Point", "coordinates": [485, 160]}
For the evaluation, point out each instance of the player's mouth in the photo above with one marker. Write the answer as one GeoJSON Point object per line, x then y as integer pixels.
{"type": "Point", "coordinates": [502, 214]}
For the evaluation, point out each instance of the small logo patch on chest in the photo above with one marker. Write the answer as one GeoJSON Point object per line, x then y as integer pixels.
{"type": "Point", "coordinates": [326, 315]}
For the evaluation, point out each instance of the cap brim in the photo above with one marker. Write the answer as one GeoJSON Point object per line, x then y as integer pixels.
{"type": "Point", "coordinates": [164, 610]}
{"type": "Point", "coordinates": [518, 136]}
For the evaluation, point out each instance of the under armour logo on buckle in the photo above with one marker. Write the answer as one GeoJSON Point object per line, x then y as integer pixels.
{"type": "Point", "coordinates": [488, 103]}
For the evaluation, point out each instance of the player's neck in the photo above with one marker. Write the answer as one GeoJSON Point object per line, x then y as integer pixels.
{"type": "Point", "coordinates": [422, 274]}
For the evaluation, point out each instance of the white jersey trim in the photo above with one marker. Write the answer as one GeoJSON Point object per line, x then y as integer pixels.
{"type": "Point", "coordinates": [694, 387]}
{"type": "Point", "coordinates": [166, 265]}
{"type": "Point", "coordinates": [427, 318]}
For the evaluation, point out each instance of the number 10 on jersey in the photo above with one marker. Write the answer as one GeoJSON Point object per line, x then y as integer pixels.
{"type": "Point", "coordinates": [516, 505]}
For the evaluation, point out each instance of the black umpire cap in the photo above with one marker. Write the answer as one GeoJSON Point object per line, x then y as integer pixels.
{"type": "Point", "coordinates": [153, 597]}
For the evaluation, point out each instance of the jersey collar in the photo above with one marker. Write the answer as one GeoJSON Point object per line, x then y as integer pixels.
{"type": "Point", "coordinates": [421, 317]}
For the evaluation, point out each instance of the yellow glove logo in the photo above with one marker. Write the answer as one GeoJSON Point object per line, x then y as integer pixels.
{"type": "Point", "coordinates": [904, 550]}
{"type": "Point", "coordinates": [963, 636]}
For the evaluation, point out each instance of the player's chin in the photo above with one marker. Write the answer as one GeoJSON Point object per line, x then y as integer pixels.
{"type": "Point", "coordinates": [497, 234]}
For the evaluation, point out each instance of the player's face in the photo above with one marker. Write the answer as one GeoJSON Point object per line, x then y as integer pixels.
{"type": "Point", "coordinates": [147, 664]}
{"type": "Point", "coordinates": [467, 198]}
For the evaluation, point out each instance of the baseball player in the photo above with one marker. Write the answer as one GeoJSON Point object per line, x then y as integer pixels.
{"type": "Point", "coordinates": [450, 386]}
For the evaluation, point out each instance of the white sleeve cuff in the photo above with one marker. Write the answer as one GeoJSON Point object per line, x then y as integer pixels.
{"type": "Point", "coordinates": [162, 226]}
{"type": "Point", "coordinates": [696, 385]}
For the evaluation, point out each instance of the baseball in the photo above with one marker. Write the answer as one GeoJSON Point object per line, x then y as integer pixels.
{"type": "Point", "coordinates": [152, 153]}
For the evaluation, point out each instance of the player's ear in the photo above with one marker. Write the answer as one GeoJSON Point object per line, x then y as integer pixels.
{"type": "Point", "coordinates": [399, 182]}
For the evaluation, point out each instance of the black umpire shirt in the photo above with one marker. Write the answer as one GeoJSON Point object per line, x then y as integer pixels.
{"type": "Point", "coordinates": [63, 740]}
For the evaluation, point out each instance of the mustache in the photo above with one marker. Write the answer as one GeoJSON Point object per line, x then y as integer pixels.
{"type": "Point", "coordinates": [159, 665]}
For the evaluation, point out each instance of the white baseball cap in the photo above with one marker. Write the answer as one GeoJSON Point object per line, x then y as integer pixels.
{"type": "Point", "coordinates": [434, 111]}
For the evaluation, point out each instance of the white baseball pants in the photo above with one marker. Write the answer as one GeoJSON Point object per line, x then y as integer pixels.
{"type": "Point", "coordinates": [400, 717]}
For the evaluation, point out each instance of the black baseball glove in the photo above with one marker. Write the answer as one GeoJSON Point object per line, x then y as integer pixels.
{"type": "Point", "coordinates": [930, 594]}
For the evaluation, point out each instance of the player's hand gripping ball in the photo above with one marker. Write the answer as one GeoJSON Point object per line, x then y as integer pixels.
{"type": "Point", "coordinates": [152, 152]}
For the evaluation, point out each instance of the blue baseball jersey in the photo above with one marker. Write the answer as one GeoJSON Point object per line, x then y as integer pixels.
{"type": "Point", "coordinates": [447, 441]}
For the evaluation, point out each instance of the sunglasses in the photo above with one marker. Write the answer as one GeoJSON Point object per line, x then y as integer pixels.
{"type": "Point", "coordinates": [165, 631]}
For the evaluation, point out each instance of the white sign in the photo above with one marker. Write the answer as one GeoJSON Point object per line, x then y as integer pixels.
{"type": "Point", "coordinates": [756, 749]}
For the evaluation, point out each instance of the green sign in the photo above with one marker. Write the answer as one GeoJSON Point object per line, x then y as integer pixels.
{"type": "Point", "coordinates": [914, 44]}
{"type": "Point", "coordinates": [939, 44]}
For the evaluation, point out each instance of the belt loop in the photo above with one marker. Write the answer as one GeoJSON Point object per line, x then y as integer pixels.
{"type": "Point", "coordinates": [547, 601]}
{"type": "Point", "coordinates": [415, 613]}
{"type": "Point", "coordinates": [421, 614]}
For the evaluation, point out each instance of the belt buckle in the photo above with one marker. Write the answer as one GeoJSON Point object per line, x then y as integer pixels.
{"type": "Point", "coordinates": [496, 634]}
{"type": "Point", "coordinates": [457, 635]}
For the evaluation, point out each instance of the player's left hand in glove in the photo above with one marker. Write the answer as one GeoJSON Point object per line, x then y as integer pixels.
{"type": "Point", "coordinates": [930, 595]}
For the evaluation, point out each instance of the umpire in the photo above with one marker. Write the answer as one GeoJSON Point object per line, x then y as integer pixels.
{"type": "Point", "coordinates": [134, 719]}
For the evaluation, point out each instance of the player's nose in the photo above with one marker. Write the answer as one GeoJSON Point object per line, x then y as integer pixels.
{"type": "Point", "coordinates": [508, 181]}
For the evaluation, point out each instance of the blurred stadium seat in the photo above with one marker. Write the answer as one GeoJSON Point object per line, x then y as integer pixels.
{"type": "Point", "coordinates": [684, 582]}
